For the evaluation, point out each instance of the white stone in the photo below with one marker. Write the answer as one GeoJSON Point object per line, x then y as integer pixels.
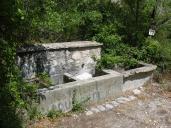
{"type": "Point", "coordinates": [76, 55]}
{"type": "Point", "coordinates": [109, 106]}
{"type": "Point", "coordinates": [121, 100]}
{"type": "Point", "coordinates": [84, 76]}
{"type": "Point", "coordinates": [88, 113]}
{"type": "Point", "coordinates": [95, 110]}
{"type": "Point", "coordinates": [89, 61]}
{"type": "Point", "coordinates": [75, 116]}
{"type": "Point", "coordinates": [124, 98]}
{"type": "Point", "coordinates": [54, 62]}
{"type": "Point", "coordinates": [101, 108]}
{"type": "Point", "coordinates": [136, 92]}
{"type": "Point", "coordinates": [51, 87]}
{"type": "Point", "coordinates": [141, 88]}
{"type": "Point", "coordinates": [114, 103]}
{"type": "Point", "coordinates": [131, 98]}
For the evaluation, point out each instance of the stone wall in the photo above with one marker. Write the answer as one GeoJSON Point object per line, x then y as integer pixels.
{"type": "Point", "coordinates": [58, 58]}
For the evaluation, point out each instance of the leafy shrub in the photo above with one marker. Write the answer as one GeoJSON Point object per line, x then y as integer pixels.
{"type": "Point", "coordinates": [115, 53]}
{"type": "Point", "coordinates": [153, 52]}
{"type": "Point", "coordinates": [165, 62]}
{"type": "Point", "coordinates": [54, 114]}
{"type": "Point", "coordinates": [116, 62]}
{"type": "Point", "coordinates": [34, 113]}
{"type": "Point", "coordinates": [15, 94]}
{"type": "Point", "coordinates": [110, 61]}
{"type": "Point", "coordinates": [43, 80]}
{"type": "Point", "coordinates": [78, 106]}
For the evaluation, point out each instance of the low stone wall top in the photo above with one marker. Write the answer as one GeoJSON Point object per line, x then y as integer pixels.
{"type": "Point", "coordinates": [138, 77]}
{"type": "Point", "coordinates": [144, 69]}
{"type": "Point", "coordinates": [57, 46]}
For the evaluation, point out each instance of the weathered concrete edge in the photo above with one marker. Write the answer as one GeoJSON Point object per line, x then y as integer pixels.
{"type": "Point", "coordinates": [57, 46]}
{"type": "Point", "coordinates": [145, 68]}
{"type": "Point", "coordinates": [138, 77]}
{"type": "Point", "coordinates": [77, 82]}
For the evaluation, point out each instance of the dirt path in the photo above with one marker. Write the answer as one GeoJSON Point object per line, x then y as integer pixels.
{"type": "Point", "coordinates": [152, 109]}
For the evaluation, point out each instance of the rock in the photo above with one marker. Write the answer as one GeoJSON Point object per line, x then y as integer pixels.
{"type": "Point", "coordinates": [141, 88]}
{"type": "Point", "coordinates": [114, 103]}
{"type": "Point", "coordinates": [88, 113]}
{"type": "Point", "coordinates": [131, 98]}
{"type": "Point", "coordinates": [95, 110]}
{"type": "Point", "coordinates": [122, 100]}
{"type": "Point", "coordinates": [76, 55]}
{"type": "Point", "coordinates": [51, 87]}
{"type": "Point", "coordinates": [109, 106]}
{"type": "Point", "coordinates": [75, 116]}
{"type": "Point", "coordinates": [101, 108]}
{"type": "Point", "coordinates": [136, 92]}
{"type": "Point", "coordinates": [84, 76]}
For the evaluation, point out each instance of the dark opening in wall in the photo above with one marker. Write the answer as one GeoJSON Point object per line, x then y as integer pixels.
{"type": "Point", "coordinates": [39, 66]}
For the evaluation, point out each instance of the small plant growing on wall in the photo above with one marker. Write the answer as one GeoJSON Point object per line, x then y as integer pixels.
{"type": "Point", "coordinates": [43, 80]}
{"type": "Point", "coordinates": [54, 114]}
{"type": "Point", "coordinates": [78, 106]}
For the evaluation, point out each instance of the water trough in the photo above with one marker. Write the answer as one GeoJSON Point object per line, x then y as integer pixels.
{"type": "Point", "coordinates": [72, 68]}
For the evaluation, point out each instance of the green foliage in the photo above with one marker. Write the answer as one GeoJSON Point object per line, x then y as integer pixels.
{"type": "Point", "coordinates": [166, 54]}
{"type": "Point", "coordinates": [54, 114]}
{"type": "Point", "coordinates": [9, 95]}
{"type": "Point", "coordinates": [15, 94]}
{"type": "Point", "coordinates": [34, 113]}
{"type": "Point", "coordinates": [152, 50]}
{"type": "Point", "coordinates": [43, 80]}
{"type": "Point", "coordinates": [116, 54]}
{"type": "Point", "coordinates": [108, 36]}
{"type": "Point", "coordinates": [78, 106]}
{"type": "Point", "coordinates": [135, 19]}
{"type": "Point", "coordinates": [114, 62]}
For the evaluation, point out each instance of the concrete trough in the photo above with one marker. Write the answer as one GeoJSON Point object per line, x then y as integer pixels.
{"type": "Point", "coordinates": [96, 89]}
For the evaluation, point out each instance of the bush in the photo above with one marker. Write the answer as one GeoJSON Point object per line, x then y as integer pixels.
{"type": "Point", "coordinates": [118, 62]}
{"type": "Point", "coordinates": [15, 94]}
{"type": "Point", "coordinates": [78, 106]}
{"type": "Point", "coordinates": [54, 114]}
{"type": "Point", "coordinates": [152, 49]}
{"type": "Point", "coordinates": [43, 80]}
{"type": "Point", "coordinates": [34, 113]}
